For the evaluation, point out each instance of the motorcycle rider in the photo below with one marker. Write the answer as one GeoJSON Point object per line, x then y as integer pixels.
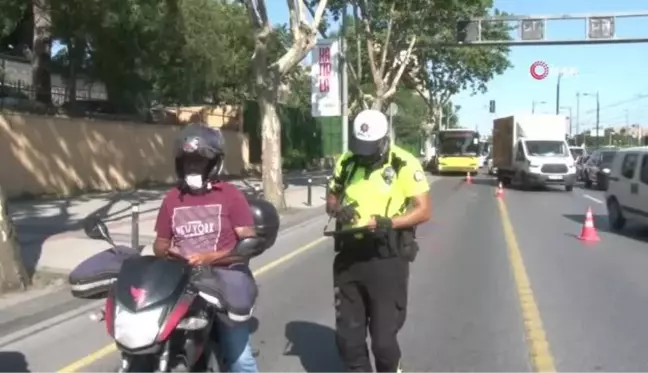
{"type": "Point", "coordinates": [380, 186]}
{"type": "Point", "coordinates": [202, 219]}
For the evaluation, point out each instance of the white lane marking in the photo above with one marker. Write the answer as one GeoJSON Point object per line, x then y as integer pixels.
{"type": "Point", "coordinates": [592, 198]}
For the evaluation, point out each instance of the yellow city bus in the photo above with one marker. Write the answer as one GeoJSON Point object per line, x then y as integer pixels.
{"type": "Point", "coordinates": [457, 150]}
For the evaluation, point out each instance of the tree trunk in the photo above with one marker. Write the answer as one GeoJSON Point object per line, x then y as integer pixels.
{"type": "Point", "coordinates": [13, 275]}
{"type": "Point", "coordinates": [42, 48]}
{"type": "Point", "coordinates": [74, 59]}
{"type": "Point", "coordinates": [271, 150]}
{"type": "Point", "coordinates": [377, 103]}
{"type": "Point", "coordinates": [272, 175]}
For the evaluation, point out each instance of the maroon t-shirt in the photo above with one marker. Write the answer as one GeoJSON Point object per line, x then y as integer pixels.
{"type": "Point", "coordinates": [203, 223]}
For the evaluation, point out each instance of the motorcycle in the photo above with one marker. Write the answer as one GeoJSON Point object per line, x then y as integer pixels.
{"type": "Point", "coordinates": [161, 311]}
{"type": "Point", "coordinates": [157, 315]}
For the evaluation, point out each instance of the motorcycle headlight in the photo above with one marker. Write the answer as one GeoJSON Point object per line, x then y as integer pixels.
{"type": "Point", "coordinates": [137, 330]}
{"type": "Point", "coordinates": [193, 323]}
{"type": "Point", "coordinates": [606, 170]}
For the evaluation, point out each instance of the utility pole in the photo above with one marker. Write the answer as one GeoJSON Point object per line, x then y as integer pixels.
{"type": "Point", "coordinates": [598, 122]}
{"type": "Point", "coordinates": [627, 117]}
{"type": "Point", "coordinates": [577, 114]}
{"type": "Point", "coordinates": [560, 75]}
{"type": "Point", "coordinates": [598, 115]}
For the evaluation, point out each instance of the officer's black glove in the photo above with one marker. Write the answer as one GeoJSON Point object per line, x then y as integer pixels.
{"type": "Point", "coordinates": [383, 224]}
{"type": "Point", "coordinates": [346, 214]}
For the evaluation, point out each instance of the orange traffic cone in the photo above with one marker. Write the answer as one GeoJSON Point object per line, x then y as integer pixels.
{"type": "Point", "coordinates": [588, 232]}
{"type": "Point", "coordinates": [468, 178]}
{"type": "Point", "coordinates": [499, 192]}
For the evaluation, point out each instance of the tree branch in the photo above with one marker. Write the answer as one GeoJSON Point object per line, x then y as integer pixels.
{"type": "Point", "coordinates": [258, 13]}
{"type": "Point", "coordinates": [322, 32]}
{"type": "Point", "coordinates": [295, 18]}
{"type": "Point", "coordinates": [319, 13]}
{"type": "Point", "coordinates": [356, 24]}
{"type": "Point", "coordinates": [385, 46]}
{"type": "Point", "coordinates": [304, 35]}
{"type": "Point", "coordinates": [366, 21]}
{"type": "Point", "coordinates": [401, 70]}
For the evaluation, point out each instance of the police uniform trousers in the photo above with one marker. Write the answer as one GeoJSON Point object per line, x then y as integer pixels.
{"type": "Point", "coordinates": [370, 295]}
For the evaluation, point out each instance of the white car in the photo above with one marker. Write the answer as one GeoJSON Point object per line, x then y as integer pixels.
{"type": "Point", "coordinates": [627, 193]}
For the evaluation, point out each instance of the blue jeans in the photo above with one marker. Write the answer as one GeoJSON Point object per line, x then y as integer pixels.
{"type": "Point", "coordinates": [236, 348]}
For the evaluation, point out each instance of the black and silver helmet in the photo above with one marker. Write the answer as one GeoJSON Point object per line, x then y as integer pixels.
{"type": "Point", "coordinates": [199, 153]}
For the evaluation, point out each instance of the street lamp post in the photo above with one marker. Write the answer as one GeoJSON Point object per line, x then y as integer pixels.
{"type": "Point", "coordinates": [570, 118]}
{"type": "Point", "coordinates": [569, 71]}
{"type": "Point", "coordinates": [598, 112]}
{"type": "Point", "coordinates": [534, 103]}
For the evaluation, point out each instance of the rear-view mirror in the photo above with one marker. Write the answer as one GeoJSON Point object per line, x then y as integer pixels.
{"type": "Point", "coordinates": [96, 229]}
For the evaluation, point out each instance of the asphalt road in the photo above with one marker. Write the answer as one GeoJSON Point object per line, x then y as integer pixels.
{"type": "Point", "coordinates": [499, 285]}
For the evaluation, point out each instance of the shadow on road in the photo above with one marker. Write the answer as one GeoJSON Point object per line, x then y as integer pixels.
{"type": "Point", "coordinates": [483, 181]}
{"type": "Point", "coordinates": [36, 221]}
{"type": "Point", "coordinates": [635, 232]}
{"type": "Point", "coordinates": [13, 361]}
{"type": "Point", "coordinates": [315, 346]}
{"type": "Point", "coordinates": [488, 181]}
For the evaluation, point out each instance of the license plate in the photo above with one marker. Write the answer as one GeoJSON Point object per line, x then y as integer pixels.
{"type": "Point", "coordinates": [555, 177]}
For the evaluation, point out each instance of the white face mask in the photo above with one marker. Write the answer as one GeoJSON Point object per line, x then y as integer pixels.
{"type": "Point", "coordinates": [194, 181]}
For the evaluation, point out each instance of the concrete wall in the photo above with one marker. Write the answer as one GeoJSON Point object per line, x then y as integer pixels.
{"type": "Point", "coordinates": [49, 155]}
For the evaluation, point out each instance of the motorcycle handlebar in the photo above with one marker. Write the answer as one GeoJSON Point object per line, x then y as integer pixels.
{"type": "Point", "coordinates": [176, 256]}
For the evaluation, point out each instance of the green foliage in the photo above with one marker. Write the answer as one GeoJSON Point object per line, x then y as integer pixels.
{"type": "Point", "coordinates": [300, 136]}
{"type": "Point", "coordinates": [412, 113]}
{"type": "Point", "coordinates": [144, 51]}
{"type": "Point", "coordinates": [11, 13]}
{"type": "Point", "coordinates": [450, 115]}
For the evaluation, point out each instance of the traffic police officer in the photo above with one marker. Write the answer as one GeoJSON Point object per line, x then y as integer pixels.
{"type": "Point", "coordinates": [382, 187]}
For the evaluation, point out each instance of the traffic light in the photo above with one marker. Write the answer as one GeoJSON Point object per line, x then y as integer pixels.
{"type": "Point", "coordinates": [491, 106]}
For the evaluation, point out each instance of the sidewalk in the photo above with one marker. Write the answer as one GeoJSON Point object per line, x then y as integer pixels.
{"type": "Point", "coordinates": [51, 232]}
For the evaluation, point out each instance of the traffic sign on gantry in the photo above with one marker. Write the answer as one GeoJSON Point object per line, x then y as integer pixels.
{"type": "Point", "coordinates": [532, 29]}
{"type": "Point", "coordinates": [599, 29]}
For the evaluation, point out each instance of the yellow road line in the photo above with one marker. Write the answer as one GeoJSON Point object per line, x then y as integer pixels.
{"type": "Point", "coordinates": [539, 350]}
{"type": "Point", "coordinates": [111, 348]}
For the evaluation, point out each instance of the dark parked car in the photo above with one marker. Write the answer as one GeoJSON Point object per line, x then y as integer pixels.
{"type": "Point", "coordinates": [597, 168]}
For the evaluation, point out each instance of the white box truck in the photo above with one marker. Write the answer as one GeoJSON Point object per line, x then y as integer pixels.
{"type": "Point", "coordinates": [531, 150]}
